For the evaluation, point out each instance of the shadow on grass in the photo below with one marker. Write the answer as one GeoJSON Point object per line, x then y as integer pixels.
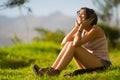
{"type": "Point", "coordinates": [98, 70]}
{"type": "Point", "coordinates": [14, 62]}
{"type": "Point", "coordinates": [111, 68]}
{"type": "Point", "coordinates": [114, 68]}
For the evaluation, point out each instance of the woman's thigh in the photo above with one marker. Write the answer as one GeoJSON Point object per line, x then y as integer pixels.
{"type": "Point", "coordinates": [86, 58]}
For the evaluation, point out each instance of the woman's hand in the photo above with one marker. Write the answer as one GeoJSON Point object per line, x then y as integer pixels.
{"type": "Point", "coordinates": [86, 23]}
{"type": "Point", "coordinates": [76, 23]}
{"type": "Point", "coordinates": [76, 39]}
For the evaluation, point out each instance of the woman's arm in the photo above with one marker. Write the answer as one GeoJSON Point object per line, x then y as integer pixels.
{"type": "Point", "coordinates": [69, 36]}
{"type": "Point", "coordinates": [78, 35]}
{"type": "Point", "coordinates": [94, 33]}
{"type": "Point", "coordinates": [91, 34]}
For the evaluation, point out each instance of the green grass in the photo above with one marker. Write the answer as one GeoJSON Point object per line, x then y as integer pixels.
{"type": "Point", "coordinates": [16, 63]}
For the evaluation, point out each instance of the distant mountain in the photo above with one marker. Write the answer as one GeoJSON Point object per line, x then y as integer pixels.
{"type": "Point", "coordinates": [19, 25]}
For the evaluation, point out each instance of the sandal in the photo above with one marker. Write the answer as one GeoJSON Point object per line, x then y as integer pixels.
{"type": "Point", "coordinates": [45, 71]}
{"type": "Point", "coordinates": [52, 72]}
{"type": "Point", "coordinates": [36, 70]}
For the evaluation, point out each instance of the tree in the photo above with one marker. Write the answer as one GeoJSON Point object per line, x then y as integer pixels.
{"type": "Point", "coordinates": [112, 33]}
{"type": "Point", "coordinates": [48, 35]}
{"type": "Point", "coordinates": [19, 4]}
{"type": "Point", "coordinates": [15, 3]}
{"type": "Point", "coordinates": [115, 5]}
{"type": "Point", "coordinates": [15, 39]}
{"type": "Point", "coordinates": [106, 10]}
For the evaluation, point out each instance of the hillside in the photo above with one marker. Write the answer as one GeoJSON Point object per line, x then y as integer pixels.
{"type": "Point", "coordinates": [20, 25]}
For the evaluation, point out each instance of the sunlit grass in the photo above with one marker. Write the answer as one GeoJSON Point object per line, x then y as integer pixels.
{"type": "Point", "coordinates": [16, 63]}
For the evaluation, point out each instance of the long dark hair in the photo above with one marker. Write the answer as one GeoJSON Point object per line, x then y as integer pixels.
{"type": "Point", "coordinates": [90, 13]}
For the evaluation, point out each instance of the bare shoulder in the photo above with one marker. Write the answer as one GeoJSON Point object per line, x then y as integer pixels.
{"type": "Point", "coordinates": [98, 31]}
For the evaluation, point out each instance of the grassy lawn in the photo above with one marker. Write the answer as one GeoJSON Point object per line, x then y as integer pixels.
{"type": "Point", "coordinates": [16, 63]}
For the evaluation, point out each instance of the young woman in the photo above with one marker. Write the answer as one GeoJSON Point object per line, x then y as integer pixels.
{"type": "Point", "coordinates": [86, 44]}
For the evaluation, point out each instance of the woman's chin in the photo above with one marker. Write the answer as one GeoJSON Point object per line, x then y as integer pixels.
{"type": "Point", "coordinates": [79, 22]}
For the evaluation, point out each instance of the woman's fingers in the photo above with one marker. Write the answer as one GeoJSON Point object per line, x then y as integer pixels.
{"type": "Point", "coordinates": [85, 23]}
{"type": "Point", "coordinates": [77, 23]}
{"type": "Point", "coordinates": [88, 21]}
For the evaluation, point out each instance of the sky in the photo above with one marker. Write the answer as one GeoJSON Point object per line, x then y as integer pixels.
{"type": "Point", "coordinates": [46, 7]}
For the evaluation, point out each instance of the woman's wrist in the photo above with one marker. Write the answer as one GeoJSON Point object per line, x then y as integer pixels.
{"type": "Point", "coordinates": [77, 27]}
{"type": "Point", "coordinates": [80, 31]}
{"type": "Point", "coordinates": [80, 28]}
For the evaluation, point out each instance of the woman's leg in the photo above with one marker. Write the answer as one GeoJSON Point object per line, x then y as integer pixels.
{"type": "Point", "coordinates": [81, 55]}
{"type": "Point", "coordinates": [66, 58]}
{"type": "Point", "coordinates": [78, 63]}
{"type": "Point", "coordinates": [42, 71]}
{"type": "Point", "coordinates": [86, 58]}
{"type": "Point", "coordinates": [60, 55]}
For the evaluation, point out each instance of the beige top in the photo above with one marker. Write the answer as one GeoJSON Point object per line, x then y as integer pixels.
{"type": "Point", "coordinates": [98, 48]}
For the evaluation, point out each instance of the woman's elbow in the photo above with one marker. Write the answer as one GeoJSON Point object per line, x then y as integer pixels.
{"type": "Point", "coordinates": [63, 43]}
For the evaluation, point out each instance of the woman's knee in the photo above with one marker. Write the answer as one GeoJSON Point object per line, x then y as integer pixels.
{"type": "Point", "coordinates": [70, 43]}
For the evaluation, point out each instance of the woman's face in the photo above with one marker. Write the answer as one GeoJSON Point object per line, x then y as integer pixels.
{"type": "Point", "coordinates": [81, 15]}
